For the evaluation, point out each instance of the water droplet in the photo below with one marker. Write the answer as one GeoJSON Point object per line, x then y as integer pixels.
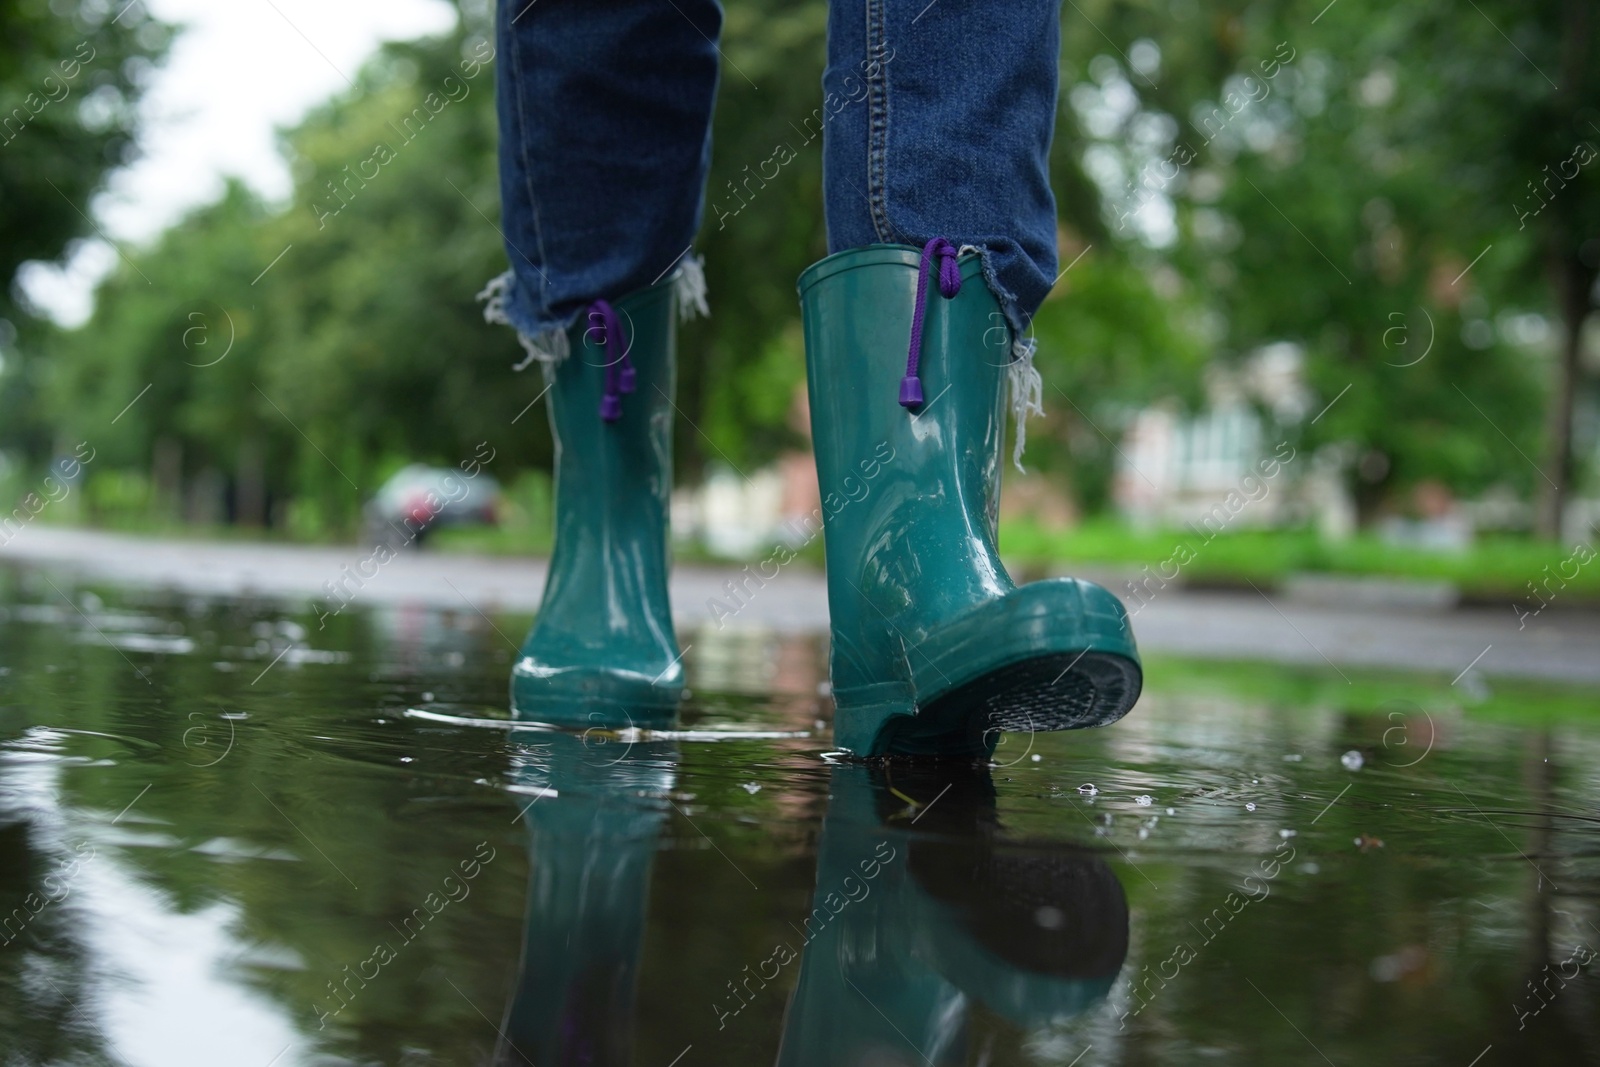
{"type": "Point", "coordinates": [1294, 757]}
{"type": "Point", "coordinates": [1352, 760]}
{"type": "Point", "coordinates": [1286, 834]}
{"type": "Point", "coordinates": [405, 759]}
{"type": "Point", "coordinates": [1088, 789]}
{"type": "Point", "coordinates": [1037, 757]}
{"type": "Point", "coordinates": [1250, 805]}
{"type": "Point", "coordinates": [1049, 918]}
{"type": "Point", "coordinates": [750, 787]}
{"type": "Point", "coordinates": [1172, 811]}
{"type": "Point", "coordinates": [427, 698]}
{"type": "Point", "coordinates": [1143, 833]}
{"type": "Point", "coordinates": [1143, 801]}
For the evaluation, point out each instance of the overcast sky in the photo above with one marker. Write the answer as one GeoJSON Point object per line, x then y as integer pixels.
{"type": "Point", "coordinates": [241, 69]}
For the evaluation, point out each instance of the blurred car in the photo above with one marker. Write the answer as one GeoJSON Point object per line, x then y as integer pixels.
{"type": "Point", "coordinates": [419, 499]}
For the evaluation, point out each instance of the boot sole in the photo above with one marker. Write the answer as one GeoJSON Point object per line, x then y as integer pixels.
{"type": "Point", "coordinates": [1041, 694]}
{"type": "Point", "coordinates": [1049, 655]}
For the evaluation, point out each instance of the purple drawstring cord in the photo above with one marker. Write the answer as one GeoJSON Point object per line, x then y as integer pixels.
{"type": "Point", "coordinates": [620, 375]}
{"type": "Point", "coordinates": [949, 286]}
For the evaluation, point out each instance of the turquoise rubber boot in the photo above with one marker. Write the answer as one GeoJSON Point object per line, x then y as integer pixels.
{"type": "Point", "coordinates": [593, 811]}
{"type": "Point", "coordinates": [912, 926]}
{"type": "Point", "coordinates": [604, 629]}
{"type": "Point", "coordinates": [935, 649]}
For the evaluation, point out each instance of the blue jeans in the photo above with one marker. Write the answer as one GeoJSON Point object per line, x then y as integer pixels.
{"type": "Point", "coordinates": [937, 123]}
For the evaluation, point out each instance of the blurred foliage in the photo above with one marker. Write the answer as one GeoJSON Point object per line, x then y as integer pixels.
{"type": "Point", "coordinates": [70, 77]}
{"type": "Point", "coordinates": [71, 74]}
{"type": "Point", "coordinates": [1326, 181]}
{"type": "Point", "coordinates": [1230, 176]}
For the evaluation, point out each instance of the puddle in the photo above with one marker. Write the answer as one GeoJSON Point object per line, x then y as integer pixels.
{"type": "Point", "coordinates": [229, 837]}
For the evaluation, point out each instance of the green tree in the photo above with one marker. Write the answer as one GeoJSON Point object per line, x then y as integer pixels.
{"type": "Point", "coordinates": [71, 74]}
{"type": "Point", "coordinates": [1330, 178]}
{"type": "Point", "coordinates": [314, 350]}
{"type": "Point", "coordinates": [1228, 178]}
{"type": "Point", "coordinates": [1508, 100]}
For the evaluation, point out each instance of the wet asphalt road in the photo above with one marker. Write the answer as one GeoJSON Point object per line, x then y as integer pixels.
{"type": "Point", "coordinates": [1374, 629]}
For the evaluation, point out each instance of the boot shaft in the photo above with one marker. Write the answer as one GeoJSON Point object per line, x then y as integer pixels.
{"type": "Point", "coordinates": [858, 308]}
{"type": "Point", "coordinates": [620, 468]}
{"type": "Point", "coordinates": [604, 629]}
{"type": "Point", "coordinates": [910, 496]}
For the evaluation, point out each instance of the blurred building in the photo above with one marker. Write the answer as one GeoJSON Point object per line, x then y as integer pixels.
{"type": "Point", "coordinates": [1232, 464]}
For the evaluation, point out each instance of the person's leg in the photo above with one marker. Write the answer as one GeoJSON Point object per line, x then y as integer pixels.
{"type": "Point", "coordinates": [605, 139]}
{"type": "Point", "coordinates": [940, 171]}
{"type": "Point", "coordinates": [952, 138]}
{"type": "Point", "coordinates": [605, 117]}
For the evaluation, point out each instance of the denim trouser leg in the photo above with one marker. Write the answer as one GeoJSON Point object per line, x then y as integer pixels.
{"type": "Point", "coordinates": [952, 135]}
{"type": "Point", "coordinates": [938, 120]}
{"type": "Point", "coordinates": [605, 137]}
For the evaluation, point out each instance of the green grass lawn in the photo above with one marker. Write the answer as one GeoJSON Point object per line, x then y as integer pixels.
{"type": "Point", "coordinates": [1494, 567]}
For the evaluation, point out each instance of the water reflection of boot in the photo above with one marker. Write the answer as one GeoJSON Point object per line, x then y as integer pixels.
{"type": "Point", "coordinates": [593, 811]}
{"type": "Point", "coordinates": [922, 907]}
